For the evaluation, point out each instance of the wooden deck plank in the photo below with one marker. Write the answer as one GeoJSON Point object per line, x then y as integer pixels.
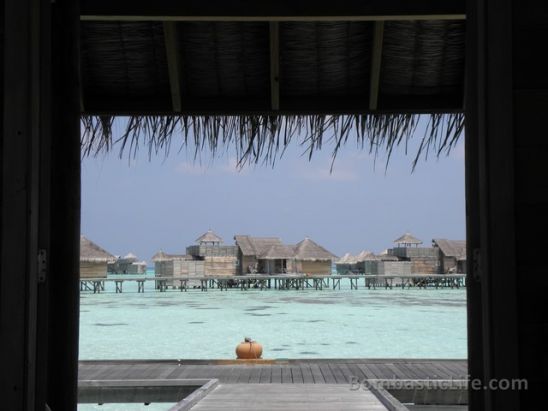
{"type": "Point", "coordinates": [338, 374]}
{"type": "Point", "coordinates": [106, 373]}
{"type": "Point", "coordinates": [347, 372]}
{"type": "Point", "coordinates": [266, 375]}
{"type": "Point", "coordinates": [306, 372]}
{"type": "Point", "coordinates": [327, 374]}
{"type": "Point", "coordinates": [297, 375]}
{"type": "Point", "coordinates": [356, 372]}
{"type": "Point", "coordinates": [389, 372]}
{"type": "Point", "coordinates": [418, 371]}
{"type": "Point", "coordinates": [286, 375]}
{"type": "Point", "coordinates": [295, 397]}
{"type": "Point", "coordinates": [89, 372]}
{"type": "Point", "coordinates": [186, 371]}
{"type": "Point", "coordinates": [366, 371]}
{"type": "Point", "coordinates": [442, 372]}
{"type": "Point", "coordinates": [317, 374]}
{"type": "Point", "coordinates": [378, 371]}
{"type": "Point", "coordinates": [255, 376]}
{"type": "Point", "coordinates": [234, 374]}
{"type": "Point", "coordinates": [244, 374]}
{"type": "Point", "coordinates": [294, 372]}
{"type": "Point", "coordinates": [276, 374]}
{"type": "Point", "coordinates": [458, 369]}
{"type": "Point", "coordinates": [408, 371]}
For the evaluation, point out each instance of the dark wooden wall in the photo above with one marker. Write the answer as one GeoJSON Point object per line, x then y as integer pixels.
{"type": "Point", "coordinates": [530, 98]}
{"type": "Point", "coordinates": [40, 205]}
{"type": "Point", "coordinates": [507, 209]}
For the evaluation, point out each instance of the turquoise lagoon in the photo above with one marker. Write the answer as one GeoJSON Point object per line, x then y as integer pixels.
{"type": "Point", "coordinates": [411, 323]}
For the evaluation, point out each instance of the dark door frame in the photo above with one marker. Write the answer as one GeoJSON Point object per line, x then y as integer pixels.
{"type": "Point", "coordinates": [40, 203]}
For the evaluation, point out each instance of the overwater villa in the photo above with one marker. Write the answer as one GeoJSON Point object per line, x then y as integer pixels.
{"type": "Point", "coordinates": [312, 258]}
{"type": "Point", "coordinates": [129, 264]}
{"type": "Point", "coordinates": [452, 255]}
{"type": "Point", "coordinates": [367, 262]}
{"type": "Point", "coordinates": [208, 257]}
{"type": "Point", "coordinates": [268, 255]}
{"type": "Point", "coordinates": [93, 259]}
{"type": "Point", "coordinates": [254, 256]}
{"type": "Point", "coordinates": [408, 257]}
{"type": "Point", "coordinates": [424, 260]}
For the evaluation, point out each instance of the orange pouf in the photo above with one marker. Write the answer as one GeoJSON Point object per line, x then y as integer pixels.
{"type": "Point", "coordinates": [249, 349]}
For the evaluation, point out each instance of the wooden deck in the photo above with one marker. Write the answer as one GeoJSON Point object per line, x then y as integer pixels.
{"type": "Point", "coordinates": [324, 371]}
{"type": "Point", "coordinates": [311, 397]}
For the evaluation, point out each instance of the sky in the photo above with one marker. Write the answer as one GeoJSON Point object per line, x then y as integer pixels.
{"type": "Point", "coordinates": [143, 205]}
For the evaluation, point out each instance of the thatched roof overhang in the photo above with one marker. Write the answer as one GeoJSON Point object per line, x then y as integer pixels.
{"type": "Point", "coordinates": [162, 256]}
{"type": "Point", "coordinates": [256, 246]}
{"type": "Point", "coordinates": [209, 237]}
{"type": "Point", "coordinates": [279, 252]}
{"type": "Point", "coordinates": [130, 257]}
{"type": "Point", "coordinates": [92, 253]}
{"type": "Point", "coordinates": [256, 74]}
{"type": "Point", "coordinates": [451, 248]}
{"type": "Point", "coordinates": [345, 259]}
{"type": "Point", "coordinates": [309, 250]}
{"type": "Point", "coordinates": [408, 238]}
{"type": "Point", "coordinates": [364, 255]}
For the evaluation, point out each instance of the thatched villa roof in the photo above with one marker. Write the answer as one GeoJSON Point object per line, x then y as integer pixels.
{"type": "Point", "coordinates": [408, 239]}
{"type": "Point", "coordinates": [258, 82]}
{"type": "Point", "coordinates": [130, 257]}
{"type": "Point", "coordinates": [308, 250]}
{"type": "Point", "coordinates": [256, 246]}
{"type": "Point", "coordinates": [162, 256]}
{"type": "Point", "coordinates": [451, 248]}
{"type": "Point", "coordinates": [381, 257]}
{"type": "Point", "coordinates": [209, 237]}
{"type": "Point", "coordinates": [363, 255]}
{"type": "Point", "coordinates": [92, 253]}
{"type": "Point", "coordinates": [345, 259]}
{"type": "Point", "coordinates": [279, 252]}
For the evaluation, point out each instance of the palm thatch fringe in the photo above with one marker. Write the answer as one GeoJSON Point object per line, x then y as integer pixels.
{"type": "Point", "coordinates": [263, 138]}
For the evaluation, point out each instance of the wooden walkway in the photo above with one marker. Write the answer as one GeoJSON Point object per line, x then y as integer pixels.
{"type": "Point", "coordinates": [279, 282]}
{"type": "Point", "coordinates": [333, 371]}
{"type": "Point", "coordinates": [310, 397]}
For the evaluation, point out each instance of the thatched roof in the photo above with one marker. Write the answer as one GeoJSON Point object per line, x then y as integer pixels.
{"type": "Point", "coordinates": [209, 237]}
{"type": "Point", "coordinates": [381, 257]}
{"type": "Point", "coordinates": [308, 250]}
{"type": "Point", "coordinates": [256, 246]}
{"type": "Point", "coordinates": [451, 248]}
{"type": "Point", "coordinates": [161, 256]}
{"type": "Point", "coordinates": [363, 255]}
{"type": "Point", "coordinates": [408, 239]}
{"type": "Point", "coordinates": [130, 257]}
{"type": "Point", "coordinates": [345, 259]}
{"type": "Point", "coordinates": [92, 253]}
{"type": "Point", "coordinates": [212, 84]}
{"type": "Point", "coordinates": [279, 252]}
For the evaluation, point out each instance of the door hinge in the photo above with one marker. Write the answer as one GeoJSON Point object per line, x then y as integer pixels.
{"type": "Point", "coordinates": [42, 265]}
{"type": "Point", "coordinates": [476, 264]}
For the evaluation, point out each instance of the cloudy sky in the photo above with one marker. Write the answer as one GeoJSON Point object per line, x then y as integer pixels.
{"type": "Point", "coordinates": [144, 205]}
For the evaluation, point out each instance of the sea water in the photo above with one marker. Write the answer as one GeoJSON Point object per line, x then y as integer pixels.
{"type": "Point", "coordinates": [363, 323]}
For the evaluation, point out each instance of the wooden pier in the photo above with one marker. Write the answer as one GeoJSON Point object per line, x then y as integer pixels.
{"type": "Point", "coordinates": [280, 282]}
{"type": "Point", "coordinates": [265, 384]}
{"type": "Point", "coordinates": [298, 371]}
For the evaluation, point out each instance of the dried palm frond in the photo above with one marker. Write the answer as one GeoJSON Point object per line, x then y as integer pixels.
{"type": "Point", "coordinates": [263, 138]}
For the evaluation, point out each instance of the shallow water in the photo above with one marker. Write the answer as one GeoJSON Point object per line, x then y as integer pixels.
{"type": "Point", "coordinates": [413, 323]}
